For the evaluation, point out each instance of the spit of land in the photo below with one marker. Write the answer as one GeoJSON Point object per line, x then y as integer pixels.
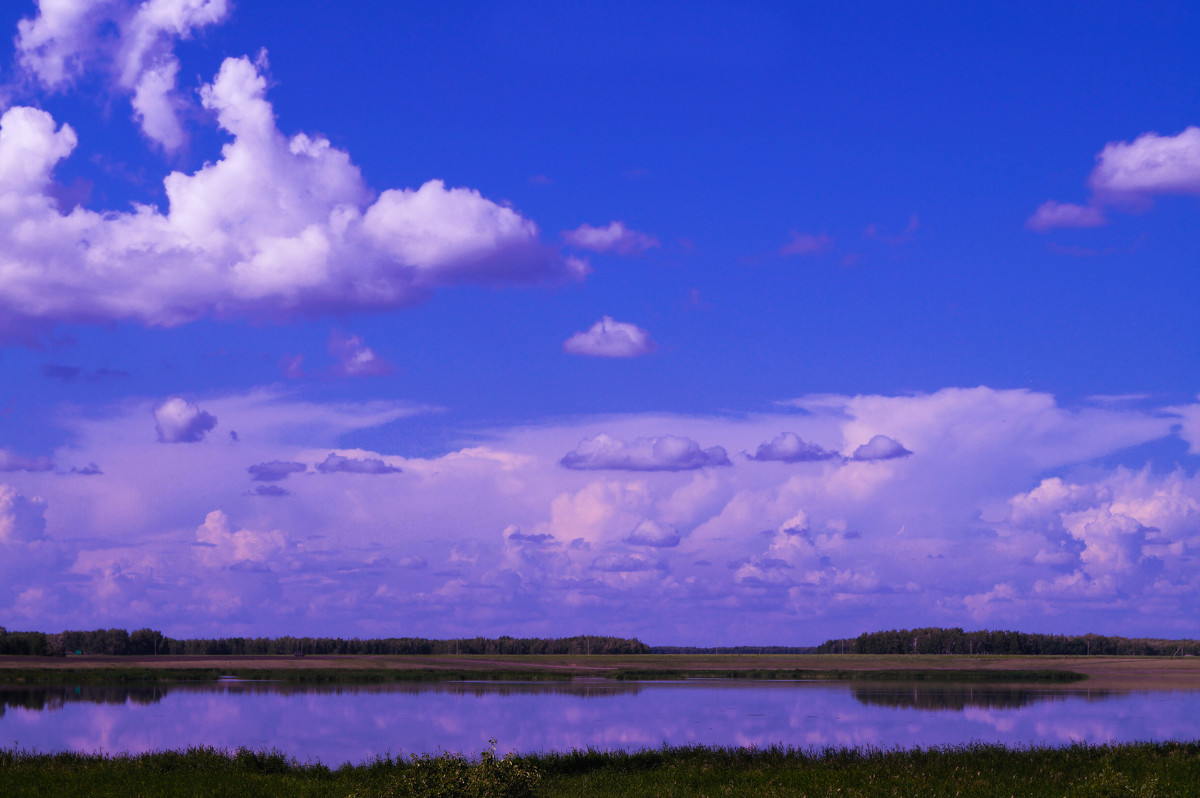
{"type": "Point", "coordinates": [1099, 672]}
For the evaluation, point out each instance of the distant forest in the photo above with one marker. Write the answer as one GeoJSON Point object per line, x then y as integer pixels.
{"type": "Point", "coordinates": [955, 641]}
{"type": "Point", "coordinates": [119, 642]}
{"type": "Point", "coordinates": [933, 640]}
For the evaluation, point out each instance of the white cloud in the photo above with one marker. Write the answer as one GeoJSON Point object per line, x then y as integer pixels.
{"type": "Point", "coordinates": [661, 453]}
{"type": "Point", "coordinates": [22, 520]}
{"type": "Point", "coordinates": [1009, 489]}
{"type": "Point", "coordinates": [1149, 165]}
{"type": "Point", "coordinates": [221, 545]}
{"type": "Point", "coordinates": [787, 447]}
{"type": "Point", "coordinates": [608, 338]}
{"type": "Point", "coordinates": [179, 421]}
{"type": "Point", "coordinates": [615, 237]}
{"type": "Point", "coordinates": [355, 358]}
{"type": "Point", "coordinates": [1051, 215]}
{"type": "Point", "coordinates": [624, 563]}
{"type": "Point", "coordinates": [277, 227]}
{"type": "Point", "coordinates": [1130, 174]}
{"type": "Point", "coordinates": [130, 42]}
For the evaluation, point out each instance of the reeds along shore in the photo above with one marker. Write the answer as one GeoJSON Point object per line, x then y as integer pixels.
{"type": "Point", "coordinates": [1145, 769]}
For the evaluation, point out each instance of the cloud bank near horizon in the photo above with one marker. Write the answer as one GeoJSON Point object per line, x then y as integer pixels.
{"type": "Point", "coordinates": [1005, 516]}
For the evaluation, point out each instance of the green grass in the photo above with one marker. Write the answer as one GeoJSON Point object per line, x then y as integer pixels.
{"type": "Point", "coordinates": [877, 675]}
{"type": "Point", "coordinates": [119, 675]}
{"type": "Point", "coordinates": [136, 675]}
{"type": "Point", "coordinates": [1160, 769]}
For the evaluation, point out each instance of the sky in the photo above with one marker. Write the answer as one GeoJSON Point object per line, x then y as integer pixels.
{"type": "Point", "coordinates": [706, 323]}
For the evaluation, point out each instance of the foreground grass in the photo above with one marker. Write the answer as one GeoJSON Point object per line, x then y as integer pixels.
{"type": "Point", "coordinates": [1163, 769]}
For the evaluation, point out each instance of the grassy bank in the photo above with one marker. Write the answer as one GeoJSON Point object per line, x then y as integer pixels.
{"type": "Point", "coordinates": [137, 675]}
{"type": "Point", "coordinates": [1166, 769]}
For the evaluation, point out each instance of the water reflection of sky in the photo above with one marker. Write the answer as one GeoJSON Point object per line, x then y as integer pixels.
{"type": "Point", "coordinates": [357, 723]}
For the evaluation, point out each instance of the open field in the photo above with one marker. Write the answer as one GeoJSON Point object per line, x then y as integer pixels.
{"type": "Point", "coordinates": [1165, 769]}
{"type": "Point", "coordinates": [1128, 673]}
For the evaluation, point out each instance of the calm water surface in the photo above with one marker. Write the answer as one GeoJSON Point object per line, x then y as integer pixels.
{"type": "Point", "coordinates": [358, 723]}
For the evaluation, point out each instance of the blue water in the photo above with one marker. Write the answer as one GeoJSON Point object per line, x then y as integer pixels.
{"type": "Point", "coordinates": [358, 723]}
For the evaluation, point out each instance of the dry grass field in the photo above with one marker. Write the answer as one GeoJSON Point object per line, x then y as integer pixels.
{"type": "Point", "coordinates": [1110, 673]}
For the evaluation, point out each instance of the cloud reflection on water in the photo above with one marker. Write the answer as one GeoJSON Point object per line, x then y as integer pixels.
{"type": "Point", "coordinates": [355, 723]}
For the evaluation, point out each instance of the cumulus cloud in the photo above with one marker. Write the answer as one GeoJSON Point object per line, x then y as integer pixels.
{"type": "Point", "coordinates": [355, 358]}
{"type": "Point", "coordinates": [653, 533]}
{"type": "Point", "coordinates": [662, 453]}
{"type": "Point", "coordinates": [1149, 165]}
{"type": "Point", "coordinates": [275, 470]}
{"type": "Point", "coordinates": [880, 447]}
{"type": "Point", "coordinates": [130, 42]}
{"type": "Point", "coordinates": [616, 237]}
{"type": "Point", "coordinates": [608, 338]}
{"type": "Point", "coordinates": [1130, 174]}
{"type": "Point", "coordinates": [11, 461]}
{"type": "Point", "coordinates": [222, 545]}
{"type": "Point", "coordinates": [22, 520]}
{"type": "Point", "coordinates": [179, 421]}
{"type": "Point", "coordinates": [276, 227]}
{"type": "Point", "coordinates": [1124, 533]}
{"type": "Point", "coordinates": [807, 244]}
{"type": "Point", "coordinates": [1009, 488]}
{"type": "Point", "coordinates": [787, 447]}
{"type": "Point", "coordinates": [1051, 215]}
{"type": "Point", "coordinates": [336, 463]}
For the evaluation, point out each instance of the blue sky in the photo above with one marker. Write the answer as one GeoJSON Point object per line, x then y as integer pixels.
{"type": "Point", "coordinates": [924, 274]}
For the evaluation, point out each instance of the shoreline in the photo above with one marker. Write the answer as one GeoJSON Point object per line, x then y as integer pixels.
{"type": "Point", "coordinates": [1098, 672]}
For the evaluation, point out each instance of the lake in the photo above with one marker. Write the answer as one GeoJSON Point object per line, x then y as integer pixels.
{"type": "Point", "coordinates": [356, 723]}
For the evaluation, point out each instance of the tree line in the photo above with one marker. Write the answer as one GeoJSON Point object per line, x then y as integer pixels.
{"type": "Point", "coordinates": [935, 640]}
{"type": "Point", "coordinates": [141, 642]}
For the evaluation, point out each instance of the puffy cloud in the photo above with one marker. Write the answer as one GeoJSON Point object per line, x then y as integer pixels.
{"type": "Point", "coordinates": [221, 545]}
{"type": "Point", "coordinates": [180, 421]}
{"type": "Point", "coordinates": [274, 491]}
{"type": "Point", "coordinates": [355, 358]}
{"type": "Point", "coordinates": [653, 533]}
{"type": "Point", "coordinates": [1151, 164]}
{"type": "Point", "coordinates": [1010, 489]}
{"type": "Point", "coordinates": [22, 520]}
{"type": "Point", "coordinates": [608, 338]}
{"type": "Point", "coordinates": [1051, 215]}
{"type": "Point", "coordinates": [787, 447]}
{"type": "Point", "coordinates": [336, 463]}
{"type": "Point", "coordinates": [275, 470]}
{"type": "Point", "coordinates": [807, 244]}
{"type": "Point", "coordinates": [1130, 174]}
{"type": "Point", "coordinates": [11, 461]}
{"type": "Point", "coordinates": [662, 453]}
{"type": "Point", "coordinates": [616, 237]}
{"type": "Point", "coordinates": [880, 447]}
{"type": "Point", "coordinates": [131, 42]}
{"type": "Point", "coordinates": [276, 227]}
